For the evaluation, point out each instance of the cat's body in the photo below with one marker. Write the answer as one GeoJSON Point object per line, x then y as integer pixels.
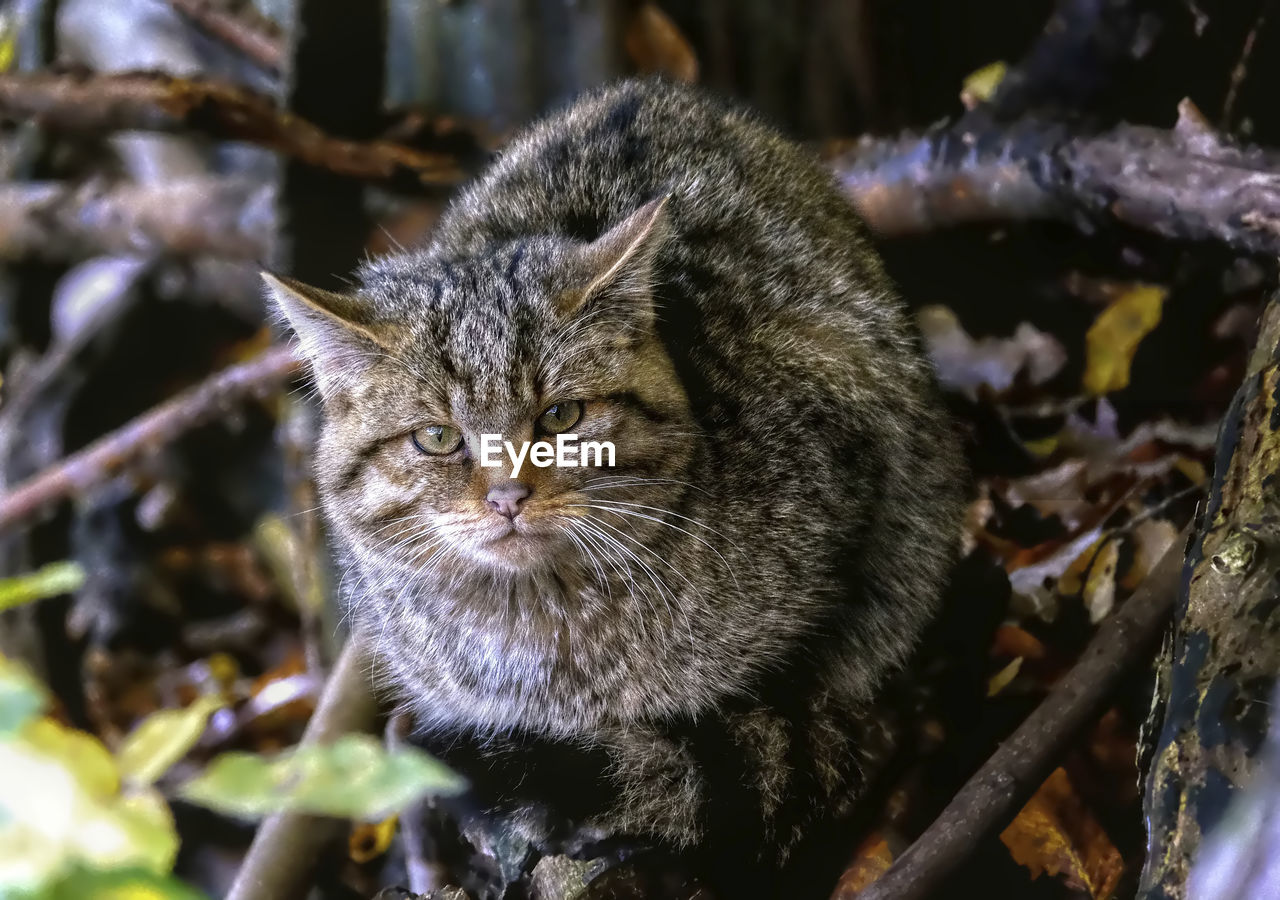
{"type": "Point", "coordinates": [786, 499]}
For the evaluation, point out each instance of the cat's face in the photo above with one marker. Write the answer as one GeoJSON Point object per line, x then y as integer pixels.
{"type": "Point", "coordinates": [531, 343]}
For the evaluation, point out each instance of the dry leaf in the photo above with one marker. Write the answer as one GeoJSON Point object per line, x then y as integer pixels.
{"type": "Point", "coordinates": [999, 681]}
{"type": "Point", "coordinates": [1056, 834]}
{"type": "Point", "coordinates": [656, 45]}
{"type": "Point", "coordinates": [1115, 334]}
{"type": "Point", "coordinates": [1010, 640]}
{"type": "Point", "coordinates": [871, 861]}
{"type": "Point", "coordinates": [1151, 538]}
{"type": "Point", "coordinates": [965, 364]}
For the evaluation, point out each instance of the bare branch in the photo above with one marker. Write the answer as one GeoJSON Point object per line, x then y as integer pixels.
{"type": "Point", "coordinates": [287, 847]}
{"type": "Point", "coordinates": [55, 221]}
{"type": "Point", "coordinates": [95, 104]}
{"type": "Point", "coordinates": [1186, 184]}
{"type": "Point", "coordinates": [1012, 774]}
{"type": "Point", "coordinates": [114, 452]}
{"type": "Point", "coordinates": [254, 44]}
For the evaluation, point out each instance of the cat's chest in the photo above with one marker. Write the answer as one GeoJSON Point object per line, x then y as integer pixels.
{"type": "Point", "coordinates": [533, 659]}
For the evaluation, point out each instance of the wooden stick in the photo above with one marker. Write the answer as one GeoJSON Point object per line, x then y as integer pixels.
{"type": "Point", "coordinates": [1008, 779]}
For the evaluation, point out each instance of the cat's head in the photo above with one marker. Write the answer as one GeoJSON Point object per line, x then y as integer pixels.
{"type": "Point", "coordinates": [526, 341]}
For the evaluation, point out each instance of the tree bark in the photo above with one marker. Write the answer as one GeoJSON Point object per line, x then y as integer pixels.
{"type": "Point", "coordinates": [1225, 647]}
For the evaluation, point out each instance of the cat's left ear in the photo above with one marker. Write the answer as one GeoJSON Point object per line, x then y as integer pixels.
{"type": "Point", "coordinates": [335, 330]}
{"type": "Point", "coordinates": [619, 266]}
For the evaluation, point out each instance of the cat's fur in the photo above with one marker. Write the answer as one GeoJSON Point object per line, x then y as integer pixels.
{"type": "Point", "coordinates": [701, 284]}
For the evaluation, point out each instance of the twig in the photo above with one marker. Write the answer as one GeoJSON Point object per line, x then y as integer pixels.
{"type": "Point", "coordinates": [991, 797]}
{"type": "Point", "coordinates": [1185, 184]}
{"type": "Point", "coordinates": [252, 43]}
{"type": "Point", "coordinates": [55, 221]}
{"type": "Point", "coordinates": [287, 847]}
{"type": "Point", "coordinates": [1241, 70]}
{"type": "Point", "coordinates": [114, 452]}
{"type": "Point", "coordinates": [81, 103]}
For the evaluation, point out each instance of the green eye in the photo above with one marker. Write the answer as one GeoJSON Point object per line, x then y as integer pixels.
{"type": "Point", "coordinates": [560, 416]}
{"type": "Point", "coordinates": [437, 440]}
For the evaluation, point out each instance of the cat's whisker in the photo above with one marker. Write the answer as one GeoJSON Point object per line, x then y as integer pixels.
{"type": "Point", "coordinates": [624, 556]}
{"type": "Point", "coordinates": [632, 513]}
{"type": "Point", "coordinates": [665, 592]}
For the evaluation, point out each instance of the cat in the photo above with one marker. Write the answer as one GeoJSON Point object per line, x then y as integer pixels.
{"type": "Point", "coordinates": [708, 620]}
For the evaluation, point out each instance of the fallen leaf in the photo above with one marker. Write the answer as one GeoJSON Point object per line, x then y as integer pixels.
{"type": "Point", "coordinates": [163, 738]}
{"type": "Point", "coordinates": [1056, 834]}
{"type": "Point", "coordinates": [1114, 336]}
{"type": "Point", "coordinates": [656, 45]}
{"type": "Point", "coordinates": [999, 681]}
{"type": "Point", "coordinates": [1010, 640]}
{"type": "Point", "coordinates": [871, 860]}
{"type": "Point", "coordinates": [1151, 538]}
{"type": "Point", "coordinates": [965, 364]}
{"type": "Point", "coordinates": [1100, 584]}
{"type": "Point", "coordinates": [355, 777]}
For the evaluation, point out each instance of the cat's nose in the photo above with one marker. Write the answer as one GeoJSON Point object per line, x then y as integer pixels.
{"type": "Point", "coordinates": [506, 498]}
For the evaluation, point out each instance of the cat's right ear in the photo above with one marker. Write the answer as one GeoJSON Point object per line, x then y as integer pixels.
{"type": "Point", "coordinates": [334, 330]}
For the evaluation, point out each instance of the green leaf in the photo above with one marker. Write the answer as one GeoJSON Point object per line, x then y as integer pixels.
{"type": "Point", "coordinates": [119, 884]}
{"type": "Point", "coordinates": [22, 697]}
{"type": "Point", "coordinates": [49, 581]}
{"type": "Point", "coordinates": [354, 777]}
{"type": "Point", "coordinates": [163, 738]}
{"type": "Point", "coordinates": [61, 806]}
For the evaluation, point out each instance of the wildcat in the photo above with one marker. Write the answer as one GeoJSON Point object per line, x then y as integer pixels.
{"type": "Point", "coordinates": [707, 621]}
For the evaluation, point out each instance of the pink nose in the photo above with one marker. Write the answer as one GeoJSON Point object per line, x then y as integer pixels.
{"type": "Point", "coordinates": [505, 498]}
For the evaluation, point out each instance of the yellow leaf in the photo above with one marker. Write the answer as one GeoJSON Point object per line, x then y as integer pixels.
{"type": "Point", "coordinates": [49, 581]}
{"type": "Point", "coordinates": [1001, 679]}
{"type": "Point", "coordinates": [1056, 834]}
{"type": "Point", "coordinates": [1100, 585]}
{"type": "Point", "coordinates": [979, 86]}
{"type": "Point", "coordinates": [163, 738]}
{"type": "Point", "coordinates": [1115, 334]}
{"type": "Point", "coordinates": [8, 40]}
{"type": "Point", "coordinates": [369, 840]}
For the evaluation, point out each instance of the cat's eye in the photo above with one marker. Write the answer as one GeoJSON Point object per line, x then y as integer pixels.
{"type": "Point", "coordinates": [560, 416]}
{"type": "Point", "coordinates": [437, 440]}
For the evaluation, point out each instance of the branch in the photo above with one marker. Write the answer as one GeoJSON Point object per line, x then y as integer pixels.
{"type": "Point", "coordinates": [1012, 774]}
{"type": "Point", "coordinates": [81, 103]}
{"type": "Point", "coordinates": [55, 221]}
{"type": "Point", "coordinates": [286, 847]}
{"type": "Point", "coordinates": [1185, 184]}
{"type": "Point", "coordinates": [124, 447]}
{"type": "Point", "coordinates": [252, 43]}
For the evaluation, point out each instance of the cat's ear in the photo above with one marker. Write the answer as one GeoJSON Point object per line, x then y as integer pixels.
{"type": "Point", "coordinates": [619, 265]}
{"type": "Point", "coordinates": [334, 330]}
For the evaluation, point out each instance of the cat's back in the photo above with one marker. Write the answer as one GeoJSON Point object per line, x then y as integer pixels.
{"type": "Point", "coordinates": [732, 179]}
